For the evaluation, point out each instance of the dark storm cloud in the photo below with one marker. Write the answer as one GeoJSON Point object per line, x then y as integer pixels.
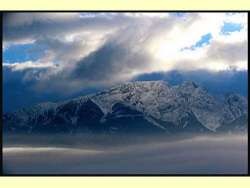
{"type": "Point", "coordinates": [109, 62]}
{"type": "Point", "coordinates": [115, 57]}
{"type": "Point", "coordinates": [21, 26]}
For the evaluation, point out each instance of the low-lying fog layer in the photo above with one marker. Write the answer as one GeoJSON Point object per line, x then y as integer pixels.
{"type": "Point", "coordinates": [223, 154]}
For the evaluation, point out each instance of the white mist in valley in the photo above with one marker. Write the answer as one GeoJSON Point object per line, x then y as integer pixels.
{"type": "Point", "coordinates": [209, 154]}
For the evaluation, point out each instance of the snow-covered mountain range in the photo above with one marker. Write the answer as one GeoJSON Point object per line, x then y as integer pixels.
{"type": "Point", "coordinates": [141, 106]}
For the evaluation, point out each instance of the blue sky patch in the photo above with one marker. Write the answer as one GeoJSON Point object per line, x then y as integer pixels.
{"type": "Point", "coordinates": [21, 53]}
{"type": "Point", "coordinates": [230, 27]}
{"type": "Point", "coordinates": [204, 40]}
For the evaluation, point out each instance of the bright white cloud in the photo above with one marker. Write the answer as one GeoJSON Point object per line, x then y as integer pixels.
{"type": "Point", "coordinates": [230, 48]}
{"type": "Point", "coordinates": [20, 66]}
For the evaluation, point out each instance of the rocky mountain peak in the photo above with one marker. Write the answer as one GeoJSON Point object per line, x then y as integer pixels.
{"type": "Point", "coordinates": [149, 103]}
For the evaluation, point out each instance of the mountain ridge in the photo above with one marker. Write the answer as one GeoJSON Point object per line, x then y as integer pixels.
{"type": "Point", "coordinates": [150, 106]}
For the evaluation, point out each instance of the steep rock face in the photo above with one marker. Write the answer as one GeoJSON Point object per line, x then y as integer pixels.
{"type": "Point", "coordinates": [126, 119]}
{"type": "Point", "coordinates": [234, 114]}
{"type": "Point", "coordinates": [148, 106]}
{"type": "Point", "coordinates": [165, 103]}
{"type": "Point", "coordinates": [235, 107]}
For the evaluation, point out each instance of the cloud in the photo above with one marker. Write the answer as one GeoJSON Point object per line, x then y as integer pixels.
{"type": "Point", "coordinates": [94, 54]}
{"type": "Point", "coordinates": [82, 50]}
{"type": "Point", "coordinates": [111, 61]}
{"type": "Point", "coordinates": [228, 52]}
{"type": "Point", "coordinates": [21, 27]}
{"type": "Point", "coordinates": [27, 65]}
{"type": "Point", "coordinates": [219, 83]}
{"type": "Point", "coordinates": [110, 64]}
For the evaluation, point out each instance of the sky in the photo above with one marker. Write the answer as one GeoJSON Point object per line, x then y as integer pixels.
{"type": "Point", "coordinates": [51, 56]}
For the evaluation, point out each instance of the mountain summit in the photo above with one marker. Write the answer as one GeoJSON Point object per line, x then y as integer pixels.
{"type": "Point", "coordinates": [142, 106]}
